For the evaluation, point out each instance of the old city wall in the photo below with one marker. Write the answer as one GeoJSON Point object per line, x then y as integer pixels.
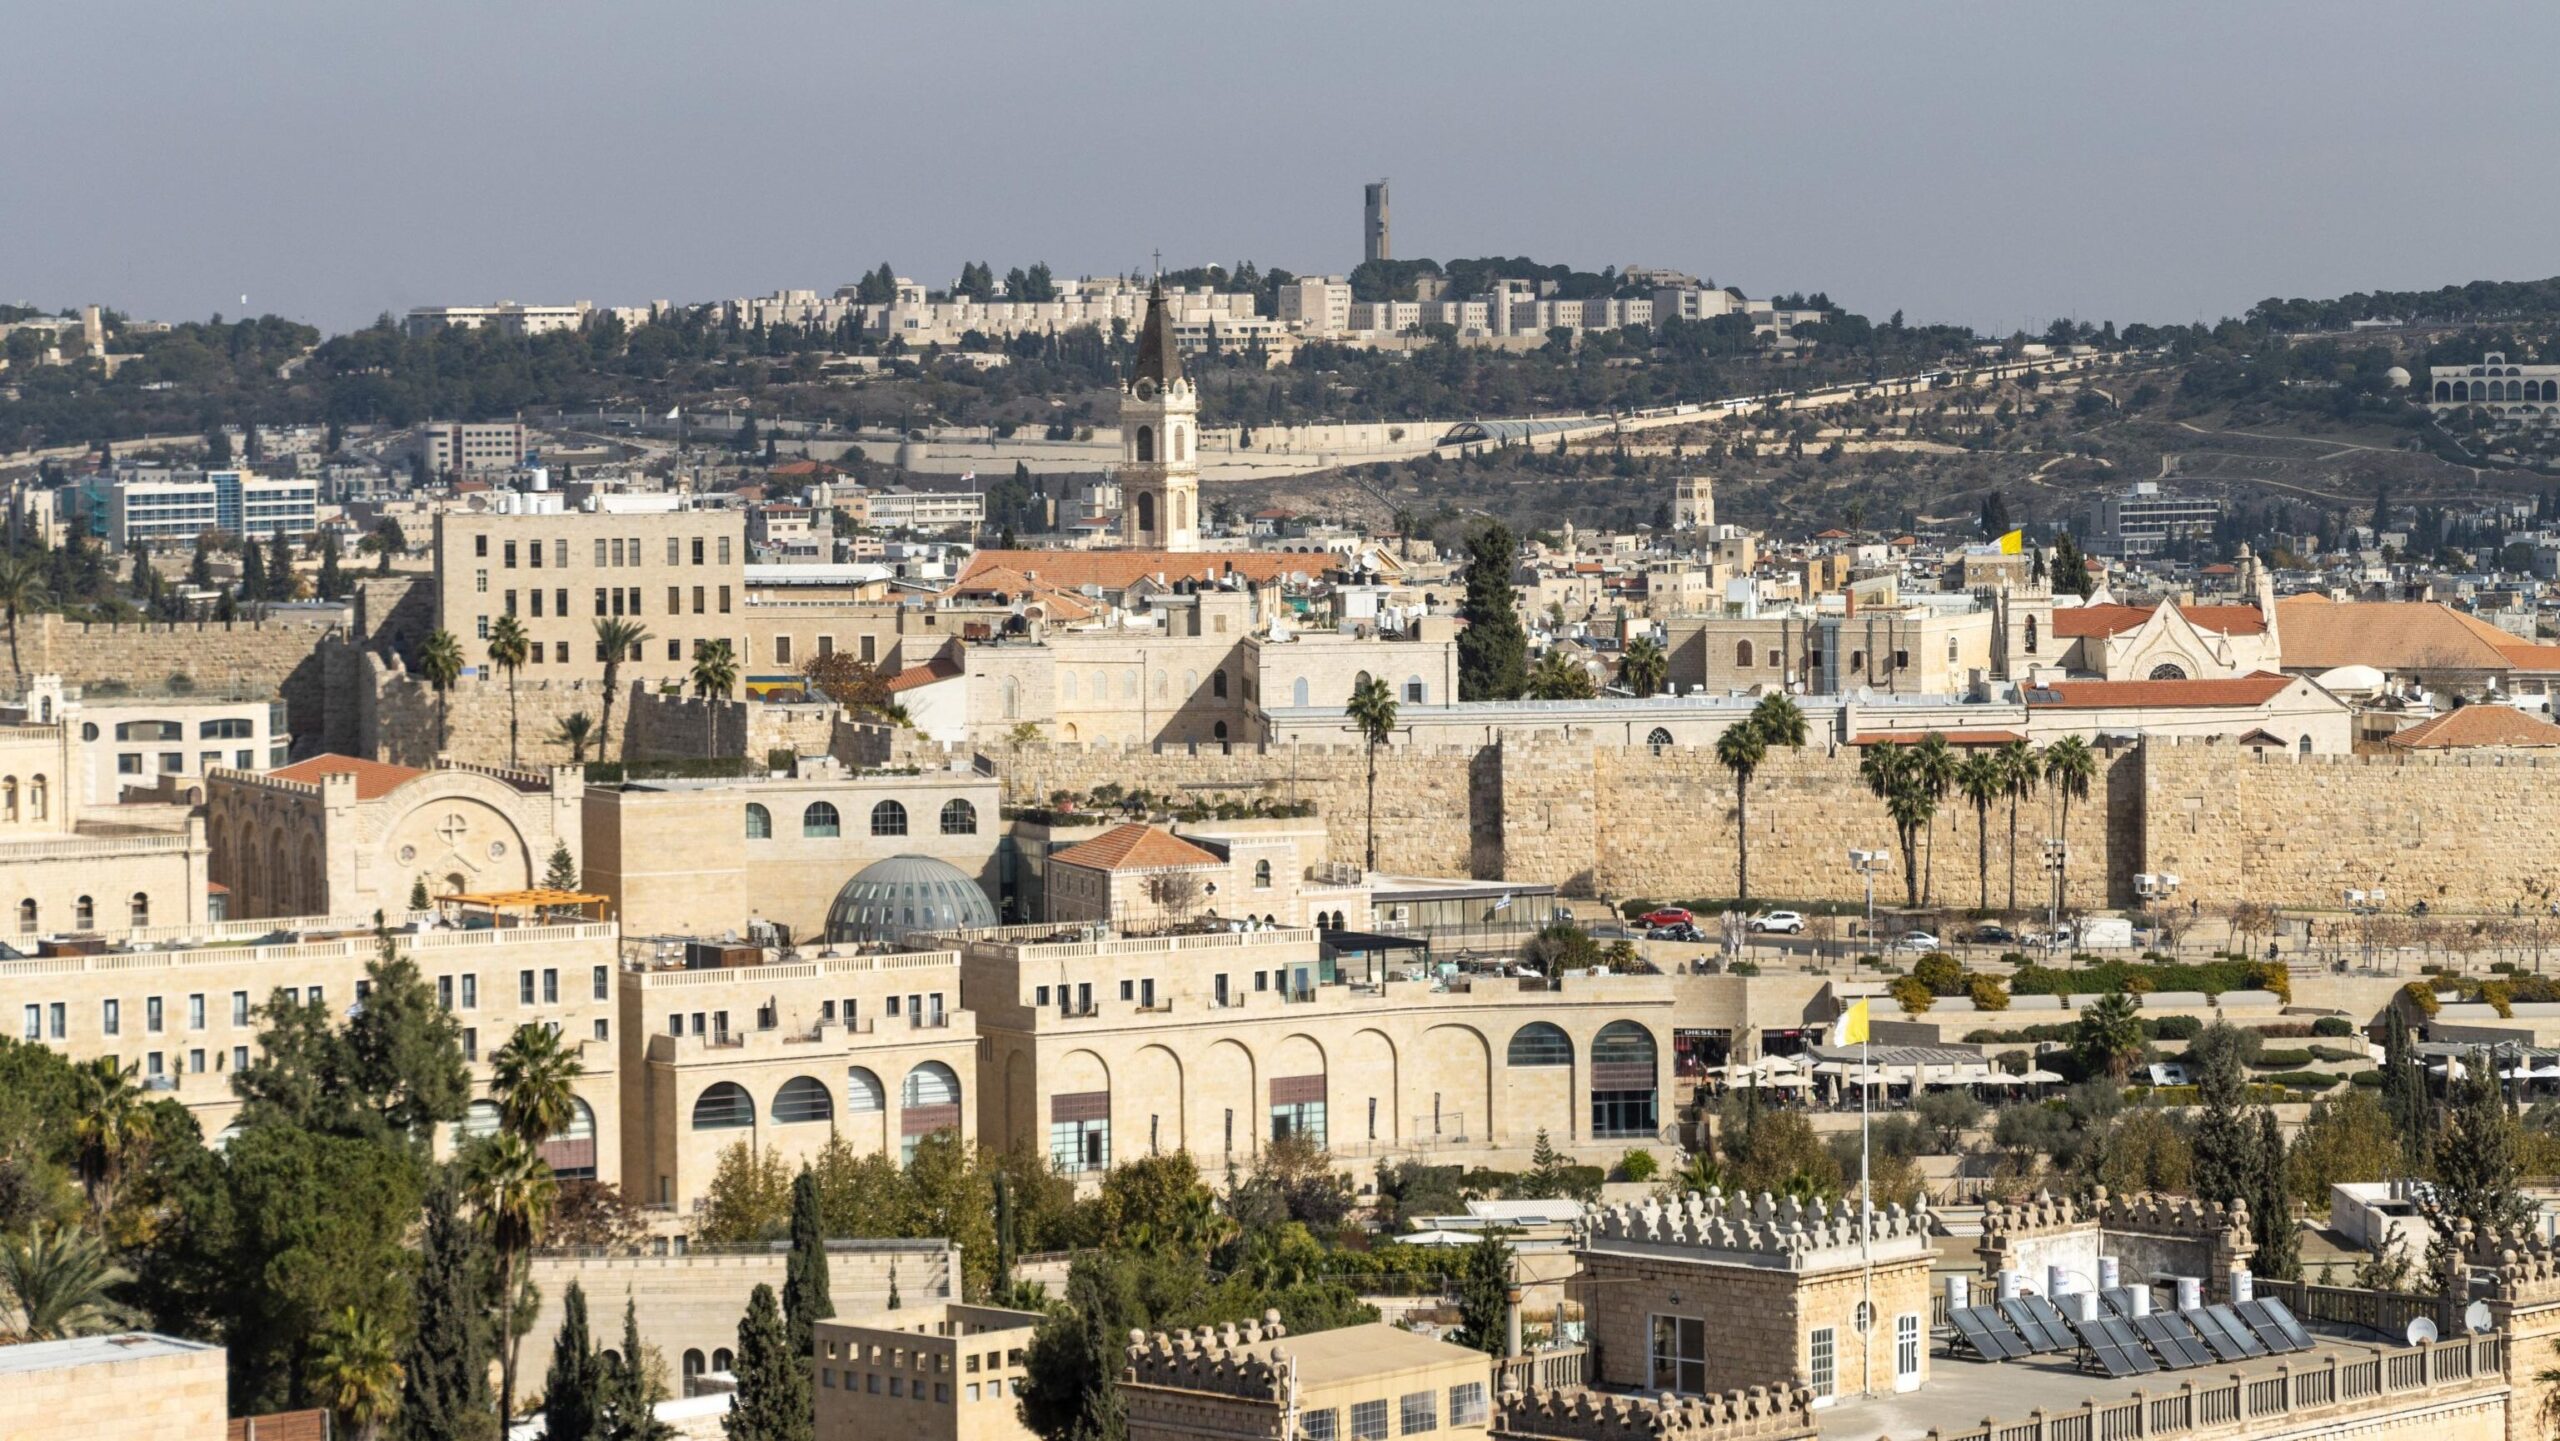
{"type": "Point", "coordinates": [215, 658]}
{"type": "Point", "coordinates": [394, 717]}
{"type": "Point", "coordinates": [2461, 832]}
{"type": "Point", "coordinates": [669, 725]}
{"type": "Point", "coordinates": [1427, 799]}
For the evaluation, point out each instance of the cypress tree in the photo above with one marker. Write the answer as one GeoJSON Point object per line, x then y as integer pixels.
{"type": "Point", "coordinates": [805, 1301]}
{"type": "Point", "coordinates": [2225, 1147]}
{"type": "Point", "coordinates": [2479, 1152]}
{"type": "Point", "coordinates": [573, 1395]}
{"type": "Point", "coordinates": [773, 1401]}
{"type": "Point", "coordinates": [2404, 1089]}
{"type": "Point", "coordinates": [1002, 1285]}
{"type": "Point", "coordinates": [629, 1413]}
{"type": "Point", "coordinates": [2271, 1210]}
{"type": "Point", "coordinates": [1493, 651]}
{"type": "Point", "coordinates": [253, 571]}
{"type": "Point", "coordinates": [333, 582]}
{"type": "Point", "coordinates": [279, 569]}
{"type": "Point", "coordinates": [444, 1389]}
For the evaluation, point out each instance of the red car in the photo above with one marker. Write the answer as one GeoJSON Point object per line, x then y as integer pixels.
{"type": "Point", "coordinates": [1669, 916]}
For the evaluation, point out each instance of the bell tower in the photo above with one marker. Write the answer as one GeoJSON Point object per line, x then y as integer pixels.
{"type": "Point", "coordinates": [1159, 441]}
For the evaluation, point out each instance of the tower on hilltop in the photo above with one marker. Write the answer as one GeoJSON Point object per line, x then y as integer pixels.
{"type": "Point", "coordinates": [1693, 503]}
{"type": "Point", "coordinates": [1373, 223]}
{"type": "Point", "coordinates": [1159, 440]}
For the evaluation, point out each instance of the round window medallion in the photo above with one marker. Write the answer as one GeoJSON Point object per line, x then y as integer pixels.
{"type": "Point", "coordinates": [408, 854]}
{"type": "Point", "coordinates": [497, 849]}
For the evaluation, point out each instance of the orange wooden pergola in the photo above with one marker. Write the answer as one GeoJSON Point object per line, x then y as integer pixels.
{"type": "Point", "coordinates": [462, 906]}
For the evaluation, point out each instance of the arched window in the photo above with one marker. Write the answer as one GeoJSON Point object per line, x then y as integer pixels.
{"type": "Point", "coordinates": [1298, 691]}
{"type": "Point", "coordinates": [84, 914]}
{"type": "Point", "coordinates": [2444, 390]}
{"type": "Point", "coordinates": [1067, 686]}
{"type": "Point", "coordinates": [888, 819]}
{"type": "Point", "coordinates": [35, 799]}
{"type": "Point", "coordinates": [2305, 746]}
{"type": "Point", "coordinates": [1146, 513]}
{"type": "Point", "coordinates": [1262, 875]}
{"type": "Point", "coordinates": [759, 822]}
{"type": "Point", "coordinates": [1146, 443]}
{"type": "Point", "coordinates": [480, 1121]}
{"type": "Point", "coordinates": [726, 1106]}
{"type": "Point", "coordinates": [1129, 685]}
{"type": "Point", "coordinates": [1164, 686]}
{"type": "Point", "coordinates": [802, 1098]}
{"type": "Point", "coordinates": [930, 1084]}
{"type": "Point", "coordinates": [141, 905]}
{"type": "Point", "coordinates": [1659, 741]}
{"type": "Point", "coordinates": [2168, 670]}
{"type": "Point", "coordinates": [1541, 1044]}
{"type": "Point", "coordinates": [1742, 655]}
{"type": "Point", "coordinates": [721, 1360]}
{"type": "Point", "coordinates": [1190, 684]}
{"type": "Point", "coordinates": [1623, 1076]}
{"type": "Point", "coordinates": [1218, 684]}
{"type": "Point", "coordinates": [1218, 732]}
{"type": "Point", "coordinates": [959, 818]}
{"type": "Point", "coordinates": [1415, 691]}
{"type": "Point", "coordinates": [571, 1153]}
{"type": "Point", "coordinates": [862, 1093]}
{"type": "Point", "coordinates": [693, 1363]}
{"type": "Point", "coordinates": [2031, 635]}
{"type": "Point", "coordinates": [1101, 687]}
{"type": "Point", "coordinates": [1181, 443]}
{"type": "Point", "coordinates": [8, 798]}
{"type": "Point", "coordinates": [820, 819]}
{"type": "Point", "coordinates": [26, 918]}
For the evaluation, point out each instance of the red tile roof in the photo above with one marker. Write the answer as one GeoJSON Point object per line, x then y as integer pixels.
{"type": "Point", "coordinates": [2478, 725]}
{"type": "Point", "coordinates": [2071, 622]}
{"type": "Point", "coordinates": [1134, 847]}
{"type": "Point", "coordinates": [938, 668]}
{"type": "Point", "coordinates": [2255, 689]}
{"type": "Point", "coordinates": [374, 779]}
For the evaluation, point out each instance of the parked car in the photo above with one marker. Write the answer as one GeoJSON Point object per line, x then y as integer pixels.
{"type": "Point", "coordinates": [1683, 931]}
{"type": "Point", "coordinates": [1785, 923]}
{"type": "Point", "coordinates": [1668, 916]}
{"type": "Point", "coordinates": [1916, 941]}
{"type": "Point", "coordinates": [1991, 933]}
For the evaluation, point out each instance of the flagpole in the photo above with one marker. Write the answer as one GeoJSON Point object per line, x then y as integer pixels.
{"type": "Point", "coordinates": [1866, 1219]}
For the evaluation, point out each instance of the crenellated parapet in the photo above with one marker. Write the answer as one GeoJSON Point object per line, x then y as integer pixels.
{"type": "Point", "coordinates": [2218, 1234]}
{"type": "Point", "coordinates": [2042, 1214]}
{"type": "Point", "coordinates": [1778, 1232]}
{"type": "Point", "coordinates": [2158, 1215]}
{"type": "Point", "coordinates": [2522, 1266]}
{"type": "Point", "coordinates": [1761, 1413]}
{"type": "Point", "coordinates": [1219, 1360]}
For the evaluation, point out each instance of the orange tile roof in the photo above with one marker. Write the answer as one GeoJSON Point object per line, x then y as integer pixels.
{"type": "Point", "coordinates": [938, 668]}
{"type": "Point", "coordinates": [1121, 569]}
{"type": "Point", "coordinates": [1134, 847]}
{"type": "Point", "coordinates": [2071, 622]}
{"type": "Point", "coordinates": [2400, 635]}
{"type": "Point", "coordinates": [374, 779]}
{"type": "Point", "coordinates": [2478, 725]}
{"type": "Point", "coordinates": [2110, 694]}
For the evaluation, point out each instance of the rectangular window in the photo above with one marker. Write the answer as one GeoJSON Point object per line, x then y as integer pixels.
{"type": "Point", "coordinates": [675, 600]}
{"type": "Point", "coordinates": [195, 1060]}
{"type": "Point", "coordinates": [1825, 1362]}
{"type": "Point", "coordinates": [480, 546]}
{"type": "Point", "coordinates": [535, 559]}
{"type": "Point", "coordinates": [604, 982]}
{"type": "Point", "coordinates": [601, 1031]}
{"type": "Point", "coordinates": [1418, 1411]}
{"type": "Point", "coordinates": [239, 1008]}
{"type": "Point", "coordinates": [444, 993]}
{"type": "Point", "coordinates": [1368, 1421]}
{"type": "Point", "coordinates": [511, 555]}
{"type": "Point", "coordinates": [724, 600]}
{"type": "Point", "coordinates": [560, 552]}
{"type": "Point", "coordinates": [868, 649]}
{"type": "Point", "coordinates": [58, 1017]}
{"type": "Point", "coordinates": [1298, 1118]}
{"type": "Point", "coordinates": [483, 624]}
{"type": "Point", "coordinates": [154, 1064]}
{"type": "Point", "coordinates": [524, 988]}
{"type": "Point", "coordinates": [151, 1019]}
{"type": "Point", "coordinates": [559, 602]}
{"type": "Point", "coordinates": [470, 992]}
{"type": "Point", "coordinates": [111, 1018]}
{"type": "Point", "coordinates": [312, 995]}
{"type": "Point", "coordinates": [1467, 1404]}
{"type": "Point", "coordinates": [724, 550]}
{"type": "Point", "coordinates": [782, 650]}
{"type": "Point", "coordinates": [1128, 989]}
{"type": "Point", "coordinates": [673, 558]}
{"type": "Point", "coordinates": [536, 607]}
{"type": "Point", "coordinates": [600, 605]}
{"type": "Point", "coordinates": [1906, 1350]}
{"type": "Point", "coordinates": [511, 602]}
{"type": "Point", "coordinates": [551, 986]}
{"type": "Point", "coordinates": [1319, 1425]}
{"type": "Point", "coordinates": [1679, 1355]}
{"type": "Point", "coordinates": [617, 545]}
{"type": "Point", "coordinates": [195, 1011]}
{"type": "Point", "coordinates": [470, 1043]}
{"type": "Point", "coordinates": [697, 550]}
{"type": "Point", "coordinates": [1040, 997]}
{"type": "Point", "coordinates": [239, 1058]}
{"type": "Point", "coordinates": [697, 600]}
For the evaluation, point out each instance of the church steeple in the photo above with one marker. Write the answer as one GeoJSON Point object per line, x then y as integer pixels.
{"type": "Point", "coordinates": [1159, 358]}
{"type": "Point", "coordinates": [1159, 440]}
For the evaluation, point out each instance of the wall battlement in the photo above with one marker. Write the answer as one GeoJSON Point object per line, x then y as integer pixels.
{"type": "Point", "coordinates": [1759, 1230]}
{"type": "Point", "coordinates": [1761, 1413]}
{"type": "Point", "coordinates": [1215, 1359]}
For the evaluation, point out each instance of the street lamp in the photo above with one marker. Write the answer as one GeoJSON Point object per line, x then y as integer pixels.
{"type": "Point", "coordinates": [2367, 904]}
{"type": "Point", "coordinates": [2057, 856]}
{"type": "Point", "coordinates": [1867, 864]}
{"type": "Point", "coordinates": [2155, 888]}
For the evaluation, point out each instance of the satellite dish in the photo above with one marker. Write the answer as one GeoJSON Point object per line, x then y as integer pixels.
{"type": "Point", "coordinates": [2476, 1316]}
{"type": "Point", "coordinates": [2421, 1331]}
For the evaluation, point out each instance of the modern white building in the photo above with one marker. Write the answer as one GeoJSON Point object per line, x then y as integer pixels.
{"type": "Point", "coordinates": [2142, 518]}
{"type": "Point", "coordinates": [2521, 394]}
{"type": "Point", "coordinates": [901, 509]}
{"type": "Point", "coordinates": [464, 447]}
{"type": "Point", "coordinates": [507, 316]}
{"type": "Point", "coordinates": [163, 507]}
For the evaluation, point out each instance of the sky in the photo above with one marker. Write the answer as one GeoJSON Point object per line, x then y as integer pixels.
{"type": "Point", "coordinates": [1994, 164]}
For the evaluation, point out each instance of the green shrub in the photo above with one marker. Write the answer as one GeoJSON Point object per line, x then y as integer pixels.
{"type": "Point", "coordinates": [2301, 1080]}
{"type": "Point", "coordinates": [2211, 977]}
{"type": "Point", "coordinates": [2336, 1053]}
{"type": "Point", "coordinates": [1912, 994]}
{"type": "Point", "coordinates": [2366, 1078]}
{"type": "Point", "coordinates": [2173, 1028]}
{"type": "Point", "coordinates": [1987, 993]}
{"type": "Point", "coordinates": [2333, 1026]}
{"type": "Point", "coordinates": [2287, 1060]}
{"type": "Point", "coordinates": [1943, 974]}
{"type": "Point", "coordinates": [1638, 1165]}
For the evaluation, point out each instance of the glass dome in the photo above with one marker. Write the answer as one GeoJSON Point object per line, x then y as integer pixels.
{"type": "Point", "coordinates": [887, 899]}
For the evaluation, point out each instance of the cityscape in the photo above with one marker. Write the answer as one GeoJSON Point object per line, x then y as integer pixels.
{"type": "Point", "coordinates": [1327, 844]}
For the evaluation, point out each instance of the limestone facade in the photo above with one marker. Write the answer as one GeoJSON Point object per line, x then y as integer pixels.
{"type": "Point", "coordinates": [707, 857]}
{"type": "Point", "coordinates": [67, 867]}
{"type": "Point", "coordinates": [679, 574]}
{"type": "Point", "coordinates": [1102, 1050]}
{"type": "Point", "coordinates": [937, 1373]}
{"type": "Point", "coordinates": [130, 1387]}
{"type": "Point", "coordinates": [785, 1053]}
{"type": "Point", "coordinates": [338, 836]}
{"type": "Point", "coordinates": [1259, 1383]}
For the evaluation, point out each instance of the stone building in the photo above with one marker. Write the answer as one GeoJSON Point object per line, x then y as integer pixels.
{"type": "Point", "coordinates": [937, 1373]}
{"type": "Point", "coordinates": [68, 867]}
{"type": "Point", "coordinates": [339, 836]}
{"type": "Point", "coordinates": [679, 574]}
{"type": "Point", "coordinates": [784, 1052]}
{"type": "Point", "coordinates": [1160, 438]}
{"type": "Point", "coordinates": [1707, 1293]}
{"type": "Point", "coordinates": [1255, 1382]}
{"type": "Point", "coordinates": [134, 1386]}
{"type": "Point", "coordinates": [713, 856]}
{"type": "Point", "coordinates": [1101, 1050]}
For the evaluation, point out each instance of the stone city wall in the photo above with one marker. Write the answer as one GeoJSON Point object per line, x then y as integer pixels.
{"type": "Point", "coordinates": [394, 717]}
{"type": "Point", "coordinates": [254, 659]}
{"type": "Point", "coordinates": [670, 725]}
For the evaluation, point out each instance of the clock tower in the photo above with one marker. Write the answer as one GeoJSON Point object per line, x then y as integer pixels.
{"type": "Point", "coordinates": [1159, 441]}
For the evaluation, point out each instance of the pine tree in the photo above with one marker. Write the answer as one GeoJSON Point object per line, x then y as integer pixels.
{"type": "Point", "coordinates": [332, 583]}
{"type": "Point", "coordinates": [573, 1394]}
{"type": "Point", "coordinates": [253, 571]}
{"type": "Point", "coordinates": [444, 1390]}
{"type": "Point", "coordinates": [563, 872]}
{"type": "Point", "coordinates": [200, 567]}
{"type": "Point", "coordinates": [1484, 1295]}
{"type": "Point", "coordinates": [805, 1298]}
{"type": "Point", "coordinates": [2226, 1167]}
{"type": "Point", "coordinates": [630, 1403]}
{"type": "Point", "coordinates": [2479, 1160]}
{"type": "Point", "coordinates": [2279, 1252]}
{"type": "Point", "coordinates": [279, 568]}
{"type": "Point", "coordinates": [1493, 651]}
{"type": "Point", "coordinates": [773, 1401]}
{"type": "Point", "coordinates": [419, 900]}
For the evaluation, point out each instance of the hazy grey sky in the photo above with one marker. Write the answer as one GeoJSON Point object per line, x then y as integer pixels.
{"type": "Point", "coordinates": [1997, 164]}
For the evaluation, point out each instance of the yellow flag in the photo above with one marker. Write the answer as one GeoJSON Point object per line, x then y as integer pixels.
{"type": "Point", "coordinates": [2014, 542]}
{"type": "Point", "coordinates": [1851, 1028]}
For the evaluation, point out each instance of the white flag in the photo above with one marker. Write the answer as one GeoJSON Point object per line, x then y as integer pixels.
{"type": "Point", "coordinates": [1504, 904]}
{"type": "Point", "coordinates": [673, 410]}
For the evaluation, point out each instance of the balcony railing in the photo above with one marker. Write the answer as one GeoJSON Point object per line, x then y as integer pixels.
{"type": "Point", "coordinates": [1554, 1369]}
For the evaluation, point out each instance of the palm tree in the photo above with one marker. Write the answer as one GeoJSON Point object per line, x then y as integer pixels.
{"type": "Point", "coordinates": [616, 639]}
{"type": "Point", "coordinates": [1933, 766]}
{"type": "Point", "coordinates": [515, 1191]}
{"type": "Point", "coordinates": [107, 1120]}
{"type": "Point", "coordinates": [59, 1279]}
{"type": "Point", "coordinates": [1557, 676]}
{"type": "Point", "coordinates": [22, 592]}
{"type": "Point", "coordinates": [534, 1078]}
{"type": "Point", "coordinates": [576, 731]}
{"type": "Point", "coordinates": [2020, 769]}
{"type": "Point", "coordinates": [715, 670]}
{"type": "Point", "coordinates": [1981, 778]}
{"type": "Point", "coordinates": [1780, 720]}
{"type": "Point", "coordinates": [357, 1371]}
{"type": "Point", "coordinates": [1644, 667]}
{"type": "Point", "coordinates": [2069, 766]}
{"type": "Point", "coordinates": [1373, 715]}
{"type": "Point", "coordinates": [2109, 1034]}
{"type": "Point", "coordinates": [1741, 749]}
{"type": "Point", "coordinates": [440, 661]}
{"type": "Point", "coordinates": [1891, 777]}
{"type": "Point", "coordinates": [509, 647]}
